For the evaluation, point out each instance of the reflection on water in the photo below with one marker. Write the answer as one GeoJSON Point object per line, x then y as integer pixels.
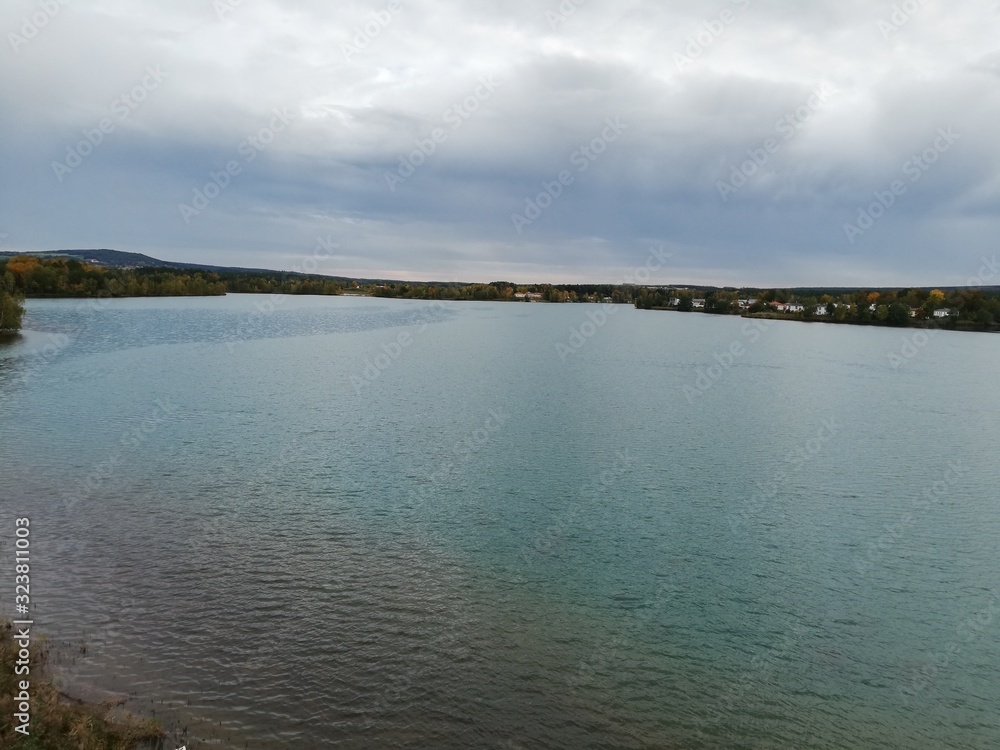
{"type": "Point", "coordinates": [483, 546]}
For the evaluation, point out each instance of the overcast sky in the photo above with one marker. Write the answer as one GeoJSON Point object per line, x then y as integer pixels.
{"type": "Point", "coordinates": [746, 139]}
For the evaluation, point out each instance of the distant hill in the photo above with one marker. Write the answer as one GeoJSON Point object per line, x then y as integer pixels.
{"type": "Point", "coordinates": [119, 259]}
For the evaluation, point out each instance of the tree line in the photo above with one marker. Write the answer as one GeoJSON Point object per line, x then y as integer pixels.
{"type": "Point", "coordinates": [503, 291]}
{"type": "Point", "coordinates": [971, 307]}
{"type": "Point", "coordinates": [66, 277]}
{"type": "Point", "coordinates": [29, 276]}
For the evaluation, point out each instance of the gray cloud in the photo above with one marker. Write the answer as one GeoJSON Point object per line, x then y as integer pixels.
{"type": "Point", "coordinates": [700, 88]}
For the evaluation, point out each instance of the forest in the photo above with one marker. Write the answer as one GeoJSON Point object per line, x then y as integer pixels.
{"type": "Point", "coordinates": [969, 308]}
{"type": "Point", "coordinates": [30, 276]}
{"type": "Point", "coordinates": [504, 291]}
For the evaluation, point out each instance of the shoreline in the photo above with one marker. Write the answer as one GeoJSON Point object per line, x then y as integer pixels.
{"type": "Point", "coordinates": [59, 720]}
{"type": "Point", "coordinates": [917, 323]}
{"type": "Point", "coordinates": [7, 337]}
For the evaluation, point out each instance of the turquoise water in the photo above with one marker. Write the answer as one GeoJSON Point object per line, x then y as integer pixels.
{"type": "Point", "coordinates": [363, 523]}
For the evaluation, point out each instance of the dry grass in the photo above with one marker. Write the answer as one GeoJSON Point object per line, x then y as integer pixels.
{"type": "Point", "coordinates": [58, 723]}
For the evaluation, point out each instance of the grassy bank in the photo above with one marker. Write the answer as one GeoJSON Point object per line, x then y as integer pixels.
{"type": "Point", "coordinates": [57, 722]}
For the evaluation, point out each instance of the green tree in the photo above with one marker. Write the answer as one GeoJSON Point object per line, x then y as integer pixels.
{"type": "Point", "coordinates": [898, 315]}
{"type": "Point", "coordinates": [11, 311]}
{"type": "Point", "coordinates": [719, 303]}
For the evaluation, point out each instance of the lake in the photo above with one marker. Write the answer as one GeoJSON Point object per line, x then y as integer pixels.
{"type": "Point", "coordinates": [359, 523]}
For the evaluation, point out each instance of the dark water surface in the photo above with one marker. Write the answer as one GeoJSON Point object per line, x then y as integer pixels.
{"type": "Point", "coordinates": [487, 545]}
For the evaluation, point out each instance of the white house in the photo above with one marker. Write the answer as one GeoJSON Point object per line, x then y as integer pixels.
{"type": "Point", "coordinates": [944, 312]}
{"type": "Point", "coordinates": [698, 304]}
{"type": "Point", "coordinates": [822, 310]}
{"type": "Point", "coordinates": [794, 307]}
{"type": "Point", "coordinates": [674, 301]}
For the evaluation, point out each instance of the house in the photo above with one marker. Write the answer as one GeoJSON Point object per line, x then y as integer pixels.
{"type": "Point", "coordinates": [673, 301]}
{"type": "Point", "coordinates": [822, 310]}
{"type": "Point", "coordinates": [778, 306]}
{"type": "Point", "coordinates": [914, 312]}
{"type": "Point", "coordinates": [698, 304]}
{"type": "Point", "coordinates": [745, 304]}
{"type": "Point", "coordinates": [794, 307]}
{"type": "Point", "coordinates": [944, 312]}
